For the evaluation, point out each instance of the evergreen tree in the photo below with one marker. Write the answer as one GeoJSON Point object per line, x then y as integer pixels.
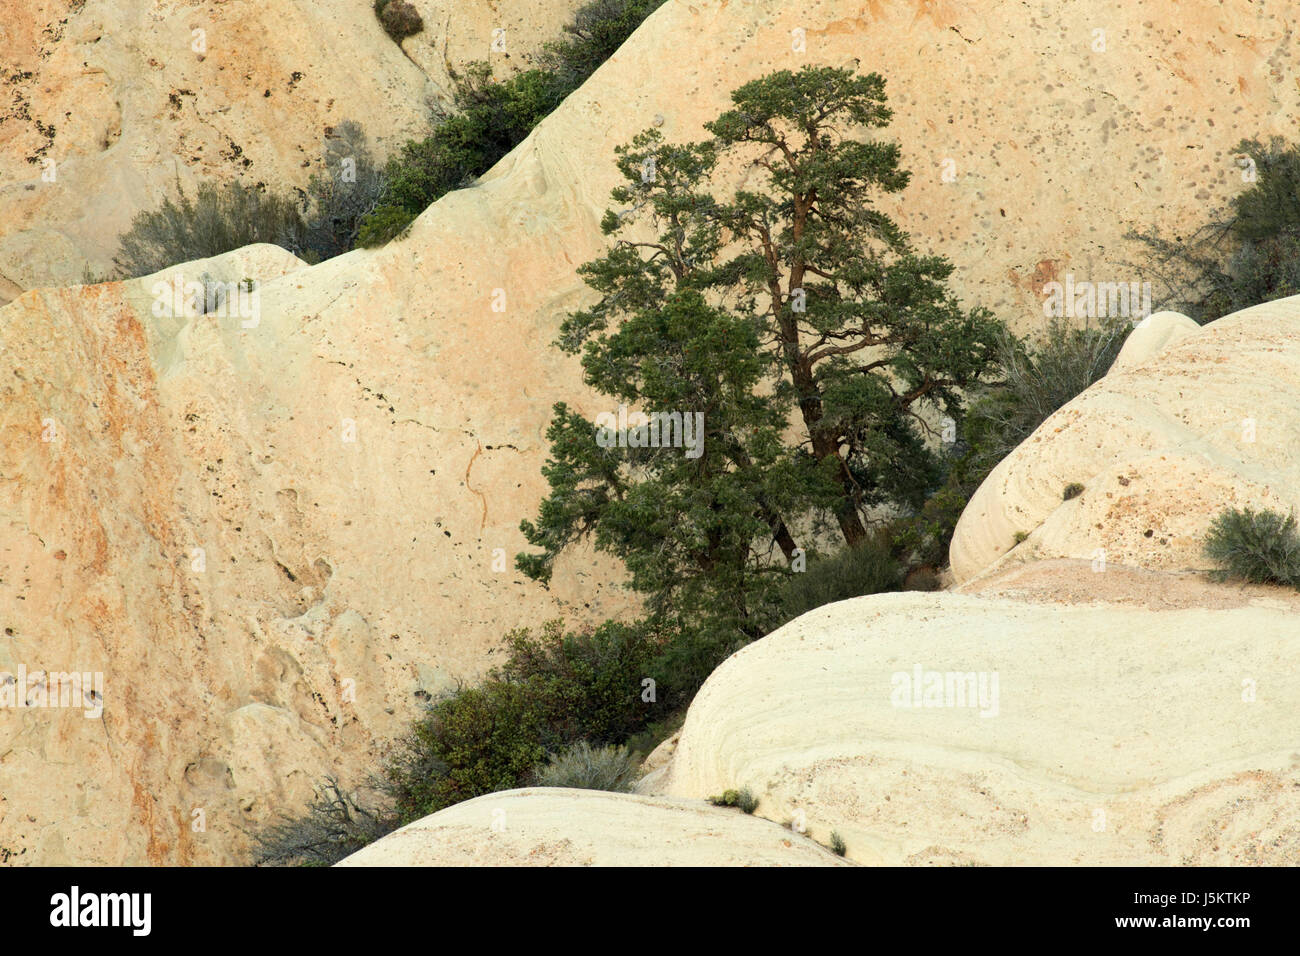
{"type": "Point", "coordinates": [795, 316]}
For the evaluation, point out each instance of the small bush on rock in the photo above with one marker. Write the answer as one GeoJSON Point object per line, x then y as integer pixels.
{"type": "Point", "coordinates": [555, 690]}
{"type": "Point", "coordinates": [344, 194]}
{"type": "Point", "coordinates": [1257, 546]}
{"type": "Point", "coordinates": [611, 767]}
{"type": "Point", "coordinates": [491, 117]}
{"type": "Point", "coordinates": [216, 220]}
{"type": "Point", "coordinates": [398, 18]}
{"type": "Point", "coordinates": [743, 799]}
{"type": "Point", "coordinates": [1249, 257]}
{"type": "Point", "coordinates": [869, 568]}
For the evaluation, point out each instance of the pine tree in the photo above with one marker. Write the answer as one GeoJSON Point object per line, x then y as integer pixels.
{"type": "Point", "coordinates": [794, 308]}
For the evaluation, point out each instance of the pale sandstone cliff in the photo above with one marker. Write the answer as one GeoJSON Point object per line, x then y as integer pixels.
{"type": "Point", "coordinates": [1161, 447]}
{"type": "Point", "coordinates": [126, 100]}
{"type": "Point", "coordinates": [1114, 734]}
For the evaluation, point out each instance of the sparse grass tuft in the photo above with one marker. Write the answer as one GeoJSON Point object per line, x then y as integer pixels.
{"type": "Point", "coordinates": [590, 768]}
{"type": "Point", "coordinates": [838, 846]}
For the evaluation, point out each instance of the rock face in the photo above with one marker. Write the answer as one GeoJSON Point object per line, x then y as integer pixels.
{"type": "Point", "coordinates": [1152, 336]}
{"type": "Point", "coordinates": [1092, 735]}
{"type": "Point", "coordinates": [109, 103]}
{"type": "Point", "coordinates": [270, 540]}
{"type": "Point", "coordinates": [354, 464]}
{"type": "Point", "coordinates": [1161, 447]}
{"type": "Point", "coordinates": [114, 94]}
{"type": "Point", "coordinates": [561, 827]}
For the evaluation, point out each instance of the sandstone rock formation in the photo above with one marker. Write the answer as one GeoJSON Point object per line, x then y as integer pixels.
{"type": "Point", "coordinates": [1107, 735]}
{"type": "Point", "coordinates": [1152, 336]}
{"type": "Point", "coordinates": [345, 581]}
{"type": "Point", "coordinates": [109, 103]}
{"type": "Point", "coordinates": [271, 540]}
{"type": "Point", "coordinates": [1161, 447]}
{"type": "Point", "coordinates": [561, 827]}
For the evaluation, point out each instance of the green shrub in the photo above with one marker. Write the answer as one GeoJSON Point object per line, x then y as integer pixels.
{"type": "Point", "coordinates": [1021, 537]}
{"type": "Point", "coordinates": [1258, 546]}
{"type": "Point", "coordinates": [742, 799]}
{"type": "Point", "coordinates": [591, 680]}
{"type": "Point", "coordinates": [217, 220]}
{"type": "Point", "coordinates": [612, 767]}
{"type": "Point", "coordinates": [491, 117]}
{"type": "Point", "coordinates": [921, 540]}
{"type": "Point", "coordinates": [869, 568]}
{"type": "Point", "coordinates": [838, 846]}
{"type": "Point", "coordinates": [335, 825]}
{"type": "Point", "coordinates": [597, 31]}
{"type": "Point", "coordinates": [1072, 490]}
{"type": "Point", "coordinates": [554, 690]}
{"type": "Point", "coordinates": [688, 656]}
{"type": "Point", "coordinates": [385, 224]}
{"type": "Point", "coordinates": [398, 18]}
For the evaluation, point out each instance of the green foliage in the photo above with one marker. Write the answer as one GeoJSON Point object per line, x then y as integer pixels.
{"type": "Point", "coordinates": [838, 846]}
{"type": "Point", "coordinates": [1271, 206]}
{"type": "Point", "coordinates": [743, 799]}
{"type": "Point", "coordinates": [1021, 537]}
{"type": "Point", "coordinates": [815, 312]}
{"type": "Point", "coordinates": [491, 117]}
{"type": "Point", "coordinates": [336, 824]}
{"type": "Point", "coordinates": [1253, 256]}
{"type": "Point", "coordinates": [398, 18]}
{"type": "Point", "coordinates": [1258, 546]}
{"type": "Point", "coordinates": [217, 220]}
{"type": "Point", "coordinates": [611, 767]}
{"type": "Point", "coordinates": [920, 539]}
{"type": "Point", "coordinates": [385, 224]}
{"type": "Point", "coordinates": [598, 29]}
{"type": "Point", "coordinates": [1072, 490]}
{"type": "Point", "coordinates": [555, 689]}
{"type": "Point", "coordinates": [867, 568]}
